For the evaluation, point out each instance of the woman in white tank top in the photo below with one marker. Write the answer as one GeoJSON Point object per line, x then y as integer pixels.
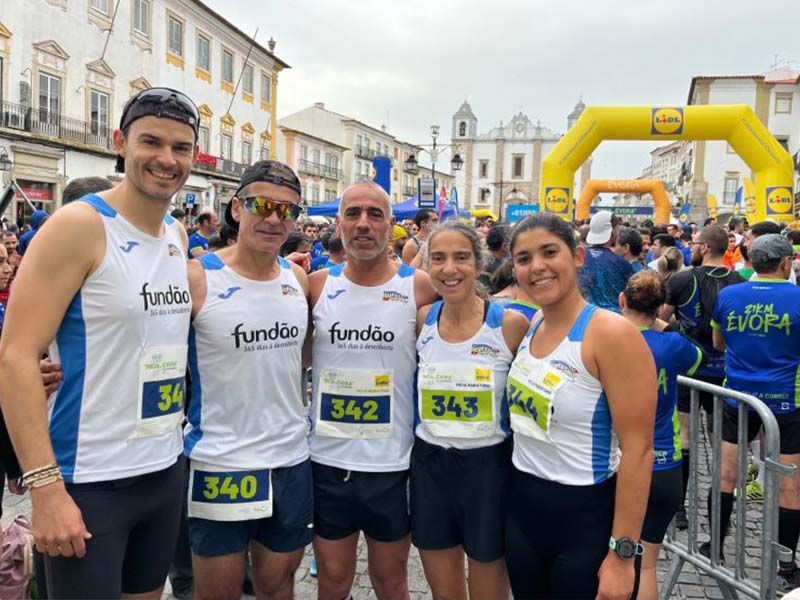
{"type": "Point", "coordinates": [582, 386]}
{"type": "Point", "coordinates": [460, 461]}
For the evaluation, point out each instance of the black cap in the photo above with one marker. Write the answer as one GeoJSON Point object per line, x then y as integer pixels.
{"type": "Point", "coordinates": [161, 102]}
{"type": "Point", "coordinates": [269, 171]}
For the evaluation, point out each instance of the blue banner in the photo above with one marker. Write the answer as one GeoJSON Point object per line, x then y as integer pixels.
{"type": "Point", "coordinates": [737, 201]}
{"type": "Point", "coordinates": [683, 217]}
{"type": "Point", "coordinates": [383, 172]}
{"type": "Point", "coordinates": [620, 211]}
{"type": "Point", "coordinates": [517, 212]}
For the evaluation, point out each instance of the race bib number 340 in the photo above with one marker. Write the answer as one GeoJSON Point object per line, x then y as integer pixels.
{"type": "Point", "coordinates": [354, 404]}
{"type": "Point", "coordinates": [457, 399]}
{"type": "Point", "coordinates": [222, 494]}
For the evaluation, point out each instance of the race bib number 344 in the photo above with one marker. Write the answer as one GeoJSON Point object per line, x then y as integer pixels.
{"type": "Point", "coordinates": [354, 404]}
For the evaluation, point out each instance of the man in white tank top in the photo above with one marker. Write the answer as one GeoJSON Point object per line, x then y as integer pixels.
{"type": "Point", "coordinates": [250, 477]}
{"type": "Point", "coordinates": [363, 359]}
{"type": "Point", "coordinates": [105, 282]}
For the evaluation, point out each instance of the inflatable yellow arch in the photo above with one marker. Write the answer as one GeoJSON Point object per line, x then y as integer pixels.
{"type": "Point", "coordinates": [653, 187]}
{"type": "Point", "coordinates": [771, 164]}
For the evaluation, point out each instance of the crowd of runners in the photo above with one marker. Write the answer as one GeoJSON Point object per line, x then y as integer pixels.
{"type": "Point", "coordinates": [500, 397]}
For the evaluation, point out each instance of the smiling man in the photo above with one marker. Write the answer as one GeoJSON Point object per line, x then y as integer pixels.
{"type": "Point", "coordinates": [364, 359]}
{"type": "Point", "coordinates": [104, 283]}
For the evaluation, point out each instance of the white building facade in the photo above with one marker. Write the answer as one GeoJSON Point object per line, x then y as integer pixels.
{"type": "Point", "coordinates": [504, 165]}
{"type": "Point", "coordinates": [68, 66]}
{"type": "Point", "coordinates": [316, 161]}
{"type": "Point", "coordinates": [361, 142]}
{"type": "Point", "coordinates": [775, 99]}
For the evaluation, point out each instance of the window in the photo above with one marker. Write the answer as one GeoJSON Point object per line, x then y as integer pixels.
{"type": "Point", "coordinates": [328, 159]}
{"type": "Point", "coordinates": [203, 52]}
{"type": "Point", "coordinates": [247, 80]}
{"type": "Point", "coordinates": [264, 151]}
{"type": "Point", "coordinates": [483, 168]}
{"type": "Point", "coordinates": [783, 104]}
{"type": "Point", "coordinates": [247, 152]}
{"type": "Point", "coordinates": [227, 66]}
{"type": "Point", "coordinates": [462, 129]}
{"type": "Point", "coordinates": [202, 139]}
{"type": "Point", "coordinates": [49, 98]}
{"type": "Point", "coordinates": [315, 157]}
{"type": "Point", "coordinates": [783, 141]}
{"type": "Point", "coordinates": [731, 185]}
{"type": "Point", "coordinates": [359, 142]}
{"type": "Point", "coordinates": [517, 166]}
{"type": "Point", "coordinates": [2, 76]}
{"type": "Point", "coordinates": [100, 6]}
{"type": "Point", "coordinates": [99, 113]}
{"type": "Point", "coordinates": [141, 17]}
{"type": "Point", "coordinates": [266, 88]}
{"type": "Point", "coordinates": [303, 152]}
{"type": "Point", "coordinates": [175, 40]}
{"type": "Point", "coordinates": [226, 146]}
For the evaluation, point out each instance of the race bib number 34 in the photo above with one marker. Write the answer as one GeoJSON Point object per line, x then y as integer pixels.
{"type": "Point", "coordinates": [229, 495]}
{"type": "Point", "coordinates": [354, 404]}
{"type": "Point", "coordinates": [162, 386]}
{"type": "Point", "coordinates": [457, 399]}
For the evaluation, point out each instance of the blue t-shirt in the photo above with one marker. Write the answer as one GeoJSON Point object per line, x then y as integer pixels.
{"type": "Point", "coordinates": [674, 355]}
{"type": "Point", "coordinates": [637, 266]}
{"type": "Point", "coordinates": [319, 262]}
{"type": "Point", "coordinates": [526, 309]}
{"type": "Point", "coordinates": [760, 323]}
{"type": "Point", "coordinates": [687, 255]}
{"type": "Point", "coordinates": [197, 240]}
{"type": "Point", "coordinates": [603, 276]}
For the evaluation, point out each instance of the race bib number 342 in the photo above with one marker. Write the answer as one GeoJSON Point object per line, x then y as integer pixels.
{"type": "Point", "coordinates": [354, 404]}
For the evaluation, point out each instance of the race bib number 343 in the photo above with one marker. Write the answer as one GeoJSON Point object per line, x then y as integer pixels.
{"type": "Point", "coordinates": [354, 404]}
{"type": "Point", "coordinates": [457, 399]}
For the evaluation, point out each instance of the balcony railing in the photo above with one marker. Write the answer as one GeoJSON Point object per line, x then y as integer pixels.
{"type": "Point", "coordinates": [364, 152]}
{"type": "Point", "coordinates": [318, 169]}
{"type": "Point", "coordinates": [41, 121]}
{"type": "Point", "coordinates": [409, 191]}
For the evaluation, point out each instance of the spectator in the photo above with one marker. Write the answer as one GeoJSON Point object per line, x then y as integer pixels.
{"type": "Point", "coordinates": [629, 246]}
{"type": "Point", "coordinates": [661, 242]}
{"type": "Point", "coordinates": [38, 219]}
{"type": "Point", "coordinates": [670, 262]}
{"type": "Point", "coordinates": [497, 244]}
{"type": "Point", "coordinates": [425, 220]}
{"type": "Point", "coordinates": [732, 254]}
{"type": "Point", "coordinates": [207, 222]}
{"type": "Point", "coordinates": [604, 274]}
{"type": "Point", "coordinates": [79, 187]}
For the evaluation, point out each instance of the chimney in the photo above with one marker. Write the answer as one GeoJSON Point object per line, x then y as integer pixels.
{"type": "Point", "coordinates": [319, 105]}
{"type": "Point", "coordinates": [271, 44]}
{"type": "Point", "coordinates": [383, 128]}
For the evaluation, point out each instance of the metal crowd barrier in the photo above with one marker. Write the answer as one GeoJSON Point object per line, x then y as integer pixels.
{"type": "Point", "coordinates": [730, 581]}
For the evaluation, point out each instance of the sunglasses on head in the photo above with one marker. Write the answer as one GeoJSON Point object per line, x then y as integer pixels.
{"type": "Point", "coordinates": [264, 207]}
{"type": "Point", "coordinates": [164, 102]}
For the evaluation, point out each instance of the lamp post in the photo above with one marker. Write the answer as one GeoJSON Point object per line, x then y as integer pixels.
{"type": "Point", "coordinates": [5, 162]}
{"type": "Point", "coordinates": [434, 150]}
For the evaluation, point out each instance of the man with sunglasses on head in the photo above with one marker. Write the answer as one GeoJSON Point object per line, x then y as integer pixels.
{"type": "Point", "coordinates": [250, 475]}
{"type": "Point", "coordinates": [364, 361]}
{"type": "Point", "coordinates": [105, 285]}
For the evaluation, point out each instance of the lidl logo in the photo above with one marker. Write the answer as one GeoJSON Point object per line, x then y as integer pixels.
{"type": "Point", "coordinates": [683, 218]}
{"type": "Point", "coordinates": [779, 200]}
{"type": "Point", "coordinates": [382, 380]}
{"type": "Point", "coordinates": [556, 199]}
{"type": "Point", "coordinates": [667, 121]}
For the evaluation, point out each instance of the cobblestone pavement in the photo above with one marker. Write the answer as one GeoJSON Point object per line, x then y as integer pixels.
{"type": "Point", "coordinates": [691, 583]}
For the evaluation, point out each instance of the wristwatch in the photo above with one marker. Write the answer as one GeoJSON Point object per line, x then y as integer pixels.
{"type": "Point", "coordinates": [625, 548]}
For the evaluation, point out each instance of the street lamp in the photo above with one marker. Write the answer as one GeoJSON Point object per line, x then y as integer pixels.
{"type": "Point", "coordinates": [5, 162]}
{"type": "Point", "coordinates": [434, 149]}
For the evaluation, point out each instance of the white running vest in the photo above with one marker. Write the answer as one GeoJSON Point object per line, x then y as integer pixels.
{"type": "Point", "coordinates": [364, 359]}
{"type": "Point", "coordinates": [245, 355]}
{"type": "Point", "coordinates": [461, 386]}
{"type": "Point", "coordinates": [559, 413]}
{"type": "Point", "coordinates": [122, 348]}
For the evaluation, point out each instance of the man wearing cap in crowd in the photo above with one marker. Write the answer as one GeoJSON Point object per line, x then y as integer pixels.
{"type": "Point", "coordinates": [757, 323]}
{"type": "Point", "coordinates": [250, 476]}
{"type": "Point", "coordinates": [604, 273]}
{"type": "Point", "coordinates": [104, 282]}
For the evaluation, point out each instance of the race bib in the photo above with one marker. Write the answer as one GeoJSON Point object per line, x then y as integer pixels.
{"type": "Point", "coordinates": [162, 385]}
{"type": "Point", "coordinates": [457, 399]}
{"type": "Point", "coordinates": [220, 494]}
{"type": "Point", "coordinates": [531, 387]}
{"type": "Point", "coordinates": [354, 404]}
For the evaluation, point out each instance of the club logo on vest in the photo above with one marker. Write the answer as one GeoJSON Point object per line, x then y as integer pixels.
{"type": "Point", "coordinates": [280, 335]}
{"type": "Point", "coordinates": [173, 250]}
{"type": "Point", "coordinates": [483, 350]}
{"type": "Point", "coordinates": [173, 300]}
{"type": "Point", "coordinates": [565, 368]}
{"type": "Point", "coordinates": [129, 245]}
{"type": "Point", "coordinates": [229, 292]}
{"type": "Point", "coordinates": [391, 296]}
{"type": "Point", "coordinates": [288, 290]}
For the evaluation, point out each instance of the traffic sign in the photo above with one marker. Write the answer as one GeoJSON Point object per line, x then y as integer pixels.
{"type": "Point", "coordinates": [426, 192]}
{"type": "Point", "coordinates": [191, 199]}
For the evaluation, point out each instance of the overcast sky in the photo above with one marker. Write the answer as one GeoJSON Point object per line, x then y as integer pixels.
{"type": "Point", "coordinates": [410, 63]}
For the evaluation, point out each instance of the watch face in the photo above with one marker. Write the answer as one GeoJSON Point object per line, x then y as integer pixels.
{"type": "Point", "coordinates": [626, 548]}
